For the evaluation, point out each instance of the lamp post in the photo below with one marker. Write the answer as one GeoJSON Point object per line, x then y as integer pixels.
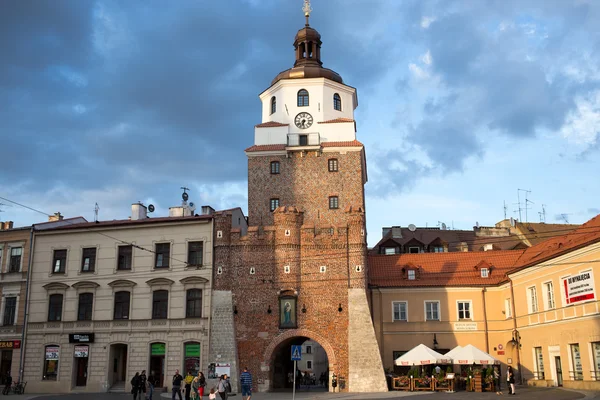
{"type": "Point", "coordinates": [435, 342]}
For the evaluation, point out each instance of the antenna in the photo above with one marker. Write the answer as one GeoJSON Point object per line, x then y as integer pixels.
{"type": "Point", "coordinates": [544, 212]}
{"type": "Point", "coordinates": [565, 217]}
{"type": "Point", "coordinates": [96, 209]}
{"type": "Point", "coordinates": [505, 208]}
{"type": "Point", "coordinates": [185, 196]}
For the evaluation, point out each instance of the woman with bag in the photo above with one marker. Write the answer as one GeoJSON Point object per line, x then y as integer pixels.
{"type": "Point", "coordinates": [510, 379]}
{"type": "Point", "coordinates": [198, 385]}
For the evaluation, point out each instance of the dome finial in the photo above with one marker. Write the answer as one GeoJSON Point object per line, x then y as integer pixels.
{"type": "Point", "coordinates": [307, 10]}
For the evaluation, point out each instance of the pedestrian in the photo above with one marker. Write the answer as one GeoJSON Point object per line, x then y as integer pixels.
{"type": "Point", "coordinates": [212, 395]}
{"type": "Point", "coordinates": [177, 379]}
{"type": "Point", "coordinates": [246, 380]}
{"type": "Point", "coordinates": [222, 387]}
{"type": "Point", "coordinates": [201, 383]}
{"type": "Point", "coordinates": [510, 378]}
{"type": "Point", "coordinates": [143, 379]}
{"type": "Point", "coordinates": [188, 385]}
{"type": "Point", "coordinates": [7, 383]}
{"type": "Point", "coordinates": [149, 387]}
{"type": "Point", "coordinates": [135, 385]}
{"type": "Point", "coordinates": [497, 380]}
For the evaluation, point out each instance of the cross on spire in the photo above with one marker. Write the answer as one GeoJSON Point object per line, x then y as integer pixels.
{"type": "Point", "coordinates": [307, 10]}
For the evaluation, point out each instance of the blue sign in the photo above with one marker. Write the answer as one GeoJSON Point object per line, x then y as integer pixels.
{"type": "Point", "coordinates": [296, 353]}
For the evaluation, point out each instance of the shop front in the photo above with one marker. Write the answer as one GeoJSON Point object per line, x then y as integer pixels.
{"type": "Point", "coordinates": [81, 354]}
{"type": "Point", "coordinates": [8, 356]}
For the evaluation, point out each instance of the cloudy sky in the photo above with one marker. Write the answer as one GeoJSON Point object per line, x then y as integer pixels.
{"type": "Point", "coordinates": [461, 103]}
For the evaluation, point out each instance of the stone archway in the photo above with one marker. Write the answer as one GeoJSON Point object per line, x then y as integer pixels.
{"type": "Point", "coordinates": [284, 339]}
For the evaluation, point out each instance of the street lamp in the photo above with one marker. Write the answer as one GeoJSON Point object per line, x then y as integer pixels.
{"type": "Point", "coordinates": [435, 342]}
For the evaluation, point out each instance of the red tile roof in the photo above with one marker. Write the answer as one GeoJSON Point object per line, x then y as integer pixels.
{"type": "Point", "coordinates": [441, 269]}
{"type": "Point", "coordinates": [337, 121]}
{"type": "Point", "coordinates": [266, 147]}
{"type": "Point", "coordinates": [270, 124]}
{"type": "Point", "coordinates": [353, 143]}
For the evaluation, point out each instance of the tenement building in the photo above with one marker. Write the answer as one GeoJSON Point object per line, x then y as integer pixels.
{"type": "Point", "coordinates": [535, 309]}
{"type": "Point", "coordinates": [112, 298]}
{"type": "Point", "coordinates": [300, 273]}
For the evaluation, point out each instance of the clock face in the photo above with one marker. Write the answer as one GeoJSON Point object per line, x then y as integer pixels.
{"type": "Point", "coordinates": [303, 120]}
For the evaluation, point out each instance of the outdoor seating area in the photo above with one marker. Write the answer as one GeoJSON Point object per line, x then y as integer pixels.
{"type": "Point", "coordinates": [461, 369]}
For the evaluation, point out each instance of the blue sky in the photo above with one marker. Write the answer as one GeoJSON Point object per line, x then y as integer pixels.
{"type": "Point", "coordinates": [461, 103]}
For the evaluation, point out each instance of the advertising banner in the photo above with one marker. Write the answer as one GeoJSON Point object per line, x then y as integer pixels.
{"type": "Point", "coordinates": [51, 353]}
{"type": "Point", "coordinates": [579, 288]}
{"type": "Point", "coordinates": [81, 351]}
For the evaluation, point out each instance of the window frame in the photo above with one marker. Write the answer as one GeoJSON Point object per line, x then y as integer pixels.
{"type": "Point", "coordinates": [126, 257]}
{"type": "Point", "coordinates": [10, 259]}
{"type": "Point", "coordinates": [63, 261]}
{"type": "Point", "coordinates": [532, 301]}
{"type": "Point", "coordinates": [574, 373]}
{"type": "Point", "coordinates": [160, 310]}
{"type": "Point", "coordinates": [549, 298]}
{"type": "Point", "coordinates": [333, 165]}
{"type": "Point", "coordinates": [485, 272]}
{"type": "Point", "coordinates": [160, 254]}
{"type": "Point", "coordinates": [399, 303]}
{"type": "Point", "coordinates": [196, 252]}
{"type": "Point", "coordinates": [275, 167]}
{"type": "Point", "coordinates": [89, 313]}
{"type": "Point", "coordinates": [305, 96]}
{"type": "Point", "coordinates": [337, 102]}
{"type": "Point", "coordinates": [126, 317]}
{"type": "Point", "coordinates": [273, 105]}
{"type": "Point", "coordinates": [92, 262]}
{"type": "Point", "coordinates": [439, 316]}
{"type": "Point", "coordinates": [308, 349]}
{"type": "Point", "coordinates": [308, 364]}
{"type": "Point", "coordinates": [334, 202]}
{"type": "Point", "coordinates": [470, 310]}
{"type": "Point", "coordinates": [411, 275]}
{"type": "Point", "coordinates": [273, 203]}
{"type": "Point", "coordinates": [53, 314]}
{"type": "Point", "coordinates": [14, 311]}
{"type": "Point", "coordinates": [303, 140]}
{"type": "Point", "coordinates": [508, 307]}
{"type": "Point", "coordinates": [46, 362]}
{"type": "Point", "coordinates": [198, 307]}
{"type": "Point", "coordinates": [414, 247]}
{"type": "Point", "coordinates": [538, 361]}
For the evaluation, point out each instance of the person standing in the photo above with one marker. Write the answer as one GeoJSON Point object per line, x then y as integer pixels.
{"type": "Point", "coordinates": [497, 380]}
{"type": "Point", "coordinates": [7, 383]}
{"type": "Point", "coordinates": [149, 387]}
{"type": "Point", "coordinates": [177, 378]}
{"type": "Point", "coordinates": [222, 387]}
{"type": "Point", "coordinates": [510, 379]}
{"type": "Point", "coordinates": [246, 380]}
{"type": "Point", "coordinates": [143, 379]}
{"type": "Point", "coordinates": [135, 385]}
{"type": "Point", "coordinates": [201, 384]}
{"type": "Point", "coordinates": [188, 385]}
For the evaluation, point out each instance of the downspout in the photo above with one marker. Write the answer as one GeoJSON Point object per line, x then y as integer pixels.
{"type": "Point", "coordinates": [26, 314]}
{"type": "Point", "coordinates": [485, 322]}
{"type": "Point", "coordinates": [517, 338]}
{"type": "Point", "coordinates": [381, 322]}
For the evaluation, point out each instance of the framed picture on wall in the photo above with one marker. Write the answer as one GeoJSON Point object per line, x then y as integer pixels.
{"type": "Point", "coordinates": [287, 312]}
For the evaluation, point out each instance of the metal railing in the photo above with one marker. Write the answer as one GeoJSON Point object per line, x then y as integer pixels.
{"type": "Point", "coordinates": [539, 375]}
{"type": "Point", "coordinates": [576, 375]}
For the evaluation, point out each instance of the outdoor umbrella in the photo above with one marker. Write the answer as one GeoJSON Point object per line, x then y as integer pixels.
{"type": "Point", "coordinates": [472, 355]}
{"type": "Point", "coordinates": [422, 355]}
{"type": "Point", "coordinates": [452, 352]}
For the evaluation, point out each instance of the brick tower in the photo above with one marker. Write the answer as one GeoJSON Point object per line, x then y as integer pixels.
{"type": "Point", "coordinates": [300, 272]}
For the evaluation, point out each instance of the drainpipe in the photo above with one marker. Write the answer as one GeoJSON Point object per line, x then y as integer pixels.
{"type": "Point", "coordinates": [26, 314]}
{"type": "Point", "coordinates": [514, 316]}
{"type": "Point", "coordinates": [381, 349]}
{"type": "Point", "coordinates": [485, 322]}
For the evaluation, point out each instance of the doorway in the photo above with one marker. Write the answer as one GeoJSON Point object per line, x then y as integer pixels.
{"type": "Point", "coordinates": [311, 373]}
{"type": "Point", "coordinates": [157, 363]}
{"type": "Point", "coordinates": [6, 362]}
{"type": "Point", "coordinates": [81, 365]}
{"type": "Point", "coordinates": [118, 365]}
{"type": "Point", "coordinates": [559, 378]}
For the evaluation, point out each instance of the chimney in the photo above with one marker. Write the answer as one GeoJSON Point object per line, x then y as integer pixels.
{"type": "Point", "coordinates": [396, 232]}
{"type": "Point", "coordinates": [56, 217]}
{"type": "Point", "coordinates": [385, 231]}
{"type": "Point", "coordinates": [138, 211]}
{"type": "Point", "coordinates": [6, 225]}
{"type": "Point", "coordinates": [207, 210]}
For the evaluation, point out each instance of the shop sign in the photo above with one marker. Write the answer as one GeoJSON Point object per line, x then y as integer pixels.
{"type": "Point", "coordinates": [579, 287]}
{"type": "Point", "coordinates": [51, 353]}
{"type": "Point", "coordinates": [81, 338]}
{"type": "Point", "coordinates": [192, 350]}
{"type": "Point", "coordinates": [10, 344]}
{"type": "Point", "coordinates": [465, 326]}
{"type": "Point", "coordinates": [500, 352]}
{"type": "Point", "coordinates": [157, 349]}
{"type": "Point", "coordinates": [82, 351]}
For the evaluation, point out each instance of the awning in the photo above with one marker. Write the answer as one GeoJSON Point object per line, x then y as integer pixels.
{"type": "Point", "coordinates": [452, 352]}
{"type": "Point", "coordinates": [422, 355]}
{"type": "Point", "coordinates": [472, 355]}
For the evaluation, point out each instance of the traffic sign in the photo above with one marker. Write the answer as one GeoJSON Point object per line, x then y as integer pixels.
{"type": "Point", "coordinates": [296, 353]}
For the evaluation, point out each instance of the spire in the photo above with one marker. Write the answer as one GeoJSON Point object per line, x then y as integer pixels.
{"type": "Point", "coordinates": [307, 10]}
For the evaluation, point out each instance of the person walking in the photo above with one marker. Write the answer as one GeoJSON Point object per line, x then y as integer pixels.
{"type": "Point", "coordinates": [149, 387]}
{"type": "Point", "coordinates": [246, 380]}
{"type": "Point", "coordinates": [143, 379]}
{"type": "Point", "coordinates": [510, 378]}
{"type": "Point", "coordinates": [198, 385]}
{"type": "Point", "coordinates": [222, 387]}
{"type": "Point", "coordinates": [7, 383]}
{"type": "Point", "coordinates": [135, 385]}
{"type": "Point", "coordinates": [177, 379]}
{"type": "Point", "coordinates": [497, 380]}
{"type": "Point", "coordinates": [188, 385]}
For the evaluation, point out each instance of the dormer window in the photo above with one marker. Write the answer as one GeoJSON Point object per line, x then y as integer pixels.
{"type": "Point", "coordinates": [337, 102]}
{"type": "Point", "coordinates": [411, 275]}
{"type": "Point", "coordinates": [302, 98]}
{"type": "Point", "coordinates": [273, 105]}
{"type": "Point", "coordinates": [485, 272]}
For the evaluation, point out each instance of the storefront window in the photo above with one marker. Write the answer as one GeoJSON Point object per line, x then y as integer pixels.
{"type": "Point", "coordinates": [51, 363]}
{"type": "Point", "coordinates": [596, 353]}
{"type": "Point", "coordinates": [191, 359]}
{"type": "Point", "coordinates": [539, 360]}
{"type": "Point", "coordinates": [577, 372]}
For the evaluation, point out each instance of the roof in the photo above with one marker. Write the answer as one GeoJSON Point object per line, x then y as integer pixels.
{"type": "Point", "coordinates": [539, 232]}
{"type": "Point", "coordinates": [128, 222]}
{"type": "Point", "coordinates": [353, 143]}
{"type": "Point", "coordinates": [337, 121]}
{"type": "Point", "coordinates": [426, 236]}
{"type": "Point", "coordinates": [441, 269]}
{"type": "Point", "coordinates": [281, 147]}
{"type": "Point", "coordinates": [270, 124]}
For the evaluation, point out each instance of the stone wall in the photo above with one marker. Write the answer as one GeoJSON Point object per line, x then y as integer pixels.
{"type": "Point", "coordinates": [223, 348]}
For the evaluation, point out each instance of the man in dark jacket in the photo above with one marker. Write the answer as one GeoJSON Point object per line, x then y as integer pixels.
{"type": "Point", "coordinates": [7, 383]}
{"type": "Point", "coordinates": [177, 378]}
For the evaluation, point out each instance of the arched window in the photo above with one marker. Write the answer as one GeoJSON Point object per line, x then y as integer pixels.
{"type": "Point", "coordinates": [191, 360]}
{"type": "Point", "coordinates": [51, 363]}
{"type": "Point", "coordinates": [302, 98]}
{"type": "Point", "coordinates": [273, 105]}
{"type": "Point", "coordinates": [337, 102]}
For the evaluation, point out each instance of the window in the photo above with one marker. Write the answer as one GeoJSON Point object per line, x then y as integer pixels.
{"type": "Point", "coordinates": [10, 310]}
{"type": "Point", "coordinates": [399, 310]}
{"type": "Point", "coordinates": [414, 249]}
{"type": "Point", "coordinates": [532, 299]}
{"type": "Point", "coordinates": [464, 310]}
{"type": "Point", "coordinates": [274, 204]}
{"type": "Point", "coordinates": [273, 105]}
{"type": "Point", "coordinates": [59, 261]}
{"type": "Point", "coordinates": [333, 202]}
{"type": "Point", "coordinates": [55, 306]}
{"type": "Point", "coordinates": [160, 304]}
{"type": "Point", "coordinates": [596, 354]}
{"type": "Point", "coordinates": [507, 308]}
{"type": "Point", "coordinates": [122, 305]}
{"type": "Point", "coordinates": [88, 260]}
{"type": "Point", "coordinates": [193, 307]}
{"type": "Point", "coordinates": [51, 363]}
{"type": "Point", "coordinates": [577, 372]}
{"type": "Point", "coordinates": [195, 250]}
{"type": "Point", "coordinates": [437, 249]}
{"type": "Point", "coordinates": [302, 98]}
{"type": "Point", "coordinates": [191, 360]}
{"type": "Point", "coordinates": [549, 286]}
{"type": "Point", "coordinates": [484, 272]}
{"type": "Point", "coordinates": [411, 274]}
{"type": "Point", "coordinates": [86, 301]}
{"type": "Point", "coordinates": [274, 167]}
{"type": "Point", "coordinates": [308, 349]}
{"type": "Point", "coordinates": [15, 259]}
{"type": "Point", "coordinates": [163, 251]}
{"type": "Point", "coordinates": [303, 140]}
{"type": "Point", "coordinates": [125, 257]}
{"type": "Point", "coordinates": [432, 310]}
{"type": "Point", "coordinates": [389, 250]}
{"type": "Point", "coordinates": [539, 363]}
{"type": "Point", "coordinates": [333, 165]}
{"type": "Point", "coordinates": [309, 364]}
{"type": "Point", "coordinates": [337, 102]}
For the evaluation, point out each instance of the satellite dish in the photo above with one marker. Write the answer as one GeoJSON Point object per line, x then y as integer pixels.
{"type": "Point", "coordinates": [151, 207]}
{"type": "Point", "coordinates": [192, 205]}
{"type": "Point", "coordinates": [412, 227]}
{"type": "Point", "coordinates": [185, 196]}
{"type": "Point", "coordinates": [443, 226]}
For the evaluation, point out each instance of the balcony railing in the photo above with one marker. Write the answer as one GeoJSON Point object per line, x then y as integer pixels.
{"type": "Point", "coordinates": [303, 139]}
{"type": "Point", "coordinates": [576, 375]}
{"type": "Point", "coordinates": [538, 375]}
